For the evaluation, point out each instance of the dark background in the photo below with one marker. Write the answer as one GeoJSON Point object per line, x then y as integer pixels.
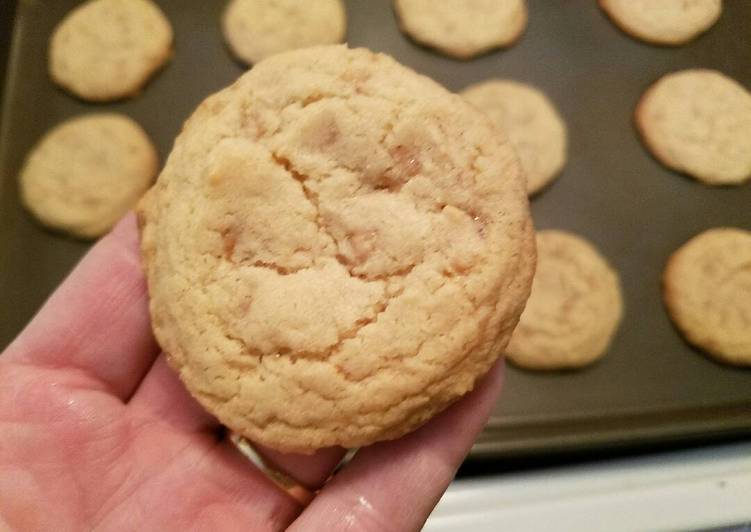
{"type": "Point", "coordinates": [651, 390]}
{"type": "Point", "coordinates": [7, 11]}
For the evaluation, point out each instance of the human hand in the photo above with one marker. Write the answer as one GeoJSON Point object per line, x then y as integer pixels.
{"type": "Point", "coordinates": [97, 433]}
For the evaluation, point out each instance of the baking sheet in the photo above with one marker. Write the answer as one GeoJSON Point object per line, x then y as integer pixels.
{"type": "Point", "coordinates": [651, 387]}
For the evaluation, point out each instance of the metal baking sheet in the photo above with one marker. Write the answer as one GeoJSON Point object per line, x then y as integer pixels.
{"type": "Point", "coordinates": [651, 388]}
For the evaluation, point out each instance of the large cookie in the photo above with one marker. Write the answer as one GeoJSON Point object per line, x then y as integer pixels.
{"type": "Point", "coordinates": [699, 122]}
{"type": "Point", "coordinates": [256, 29]}
{"type": "Point", "coordinates": [336, 250]}
{"type": "Point", "coordinates": [87, 172]}
{"type": "Point", "coordinates": [463, 28]}
{"type": "Point", "coordinates": [707, 291]}
{"type": "Point", "coordinates": [574, 309]}
{"type": "Point", "coordinates": [667, 22]}
{"type": "Point", "coordinates": [532, 123]}
{"type": "Point", "coordinates": [108, 49]}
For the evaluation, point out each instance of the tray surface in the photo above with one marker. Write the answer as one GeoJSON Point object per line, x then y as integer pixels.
{"type": "Point", "coordinates": [651, 387]}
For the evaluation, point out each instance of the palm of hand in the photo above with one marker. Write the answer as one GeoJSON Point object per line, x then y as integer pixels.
{"type": "Point", "coordinates": [96, 432]}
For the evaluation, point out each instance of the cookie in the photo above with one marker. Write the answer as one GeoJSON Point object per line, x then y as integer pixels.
{"type": "Point", "coordinates": [707, 292]}
{"type": "Point", "coordinates": [87, 172]}
{"type": "Point", "coordinates": [256, 29]}
{"type": "Point", "coordinates": [532, 123]}
{"type": "Point", "coordinates": [575, 306]}
{"type": "Point", "coordinates": [698, 122]}
{"type": "Point", "coordinates": [463, 28]}
{"type": "Point", "coordinates": [107, 50]}
{"type": "Point", "coordinates": [336, 250]}
{"type": "Point", "coordinates": [666, 22]}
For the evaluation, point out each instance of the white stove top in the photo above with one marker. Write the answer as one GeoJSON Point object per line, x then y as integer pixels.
{"type": "Point", "coordinates": [685, 490]}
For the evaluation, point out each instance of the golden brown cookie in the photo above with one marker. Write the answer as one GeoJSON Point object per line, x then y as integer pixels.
{"type": "Point", "coordinates": [574, 309]}
{"type": "Point", "coordinates": [463, 28]}
{"type": "Point", "coordinates": [256, 29]}
{"type": "Point", "coordinates": [87, 172]}
{"type": "Point", "coordinates": [666, 22]}
{"type": "Point", "coordinates": [707, 291]}
{"type": "Point", "coordinates": [108, 49]}
{"type": "Point", "coordinates": [531, 122]}
{"type": "Point", "coordinates": [336, 250]}
{"type": "Point", "coordinates": [699, 122]}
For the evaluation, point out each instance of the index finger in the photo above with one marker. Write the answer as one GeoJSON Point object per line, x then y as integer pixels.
{"type": "Point", "coordinates": [97, 320]}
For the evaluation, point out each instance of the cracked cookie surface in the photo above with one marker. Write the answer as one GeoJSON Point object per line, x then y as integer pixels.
{"type": "Point", "coordinates": [699, 122]}
{"type": "Point", "coordinates": [336, 250]}
{"type": "Point", "coordinates": [574, 309]}
{"type": "Point", "coordinates": [707, 291]}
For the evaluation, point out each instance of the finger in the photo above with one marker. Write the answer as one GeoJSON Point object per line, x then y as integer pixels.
{"type": "Point", "coordinates": [395, 485]}
{"type": "Point", "coordinates": [162, 396]}
{"type": "Point", "coordinates": [194, 483]}
{"type": "Point", "coordinates": [97, 321]}
{"type": "Point", "coordinates": [268, 507]}
{"type": "Point", "coordinates": [310, 471]}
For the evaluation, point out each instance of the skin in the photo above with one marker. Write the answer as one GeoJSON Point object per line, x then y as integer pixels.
{"type": "Point", "coordinates": [97, 433]}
